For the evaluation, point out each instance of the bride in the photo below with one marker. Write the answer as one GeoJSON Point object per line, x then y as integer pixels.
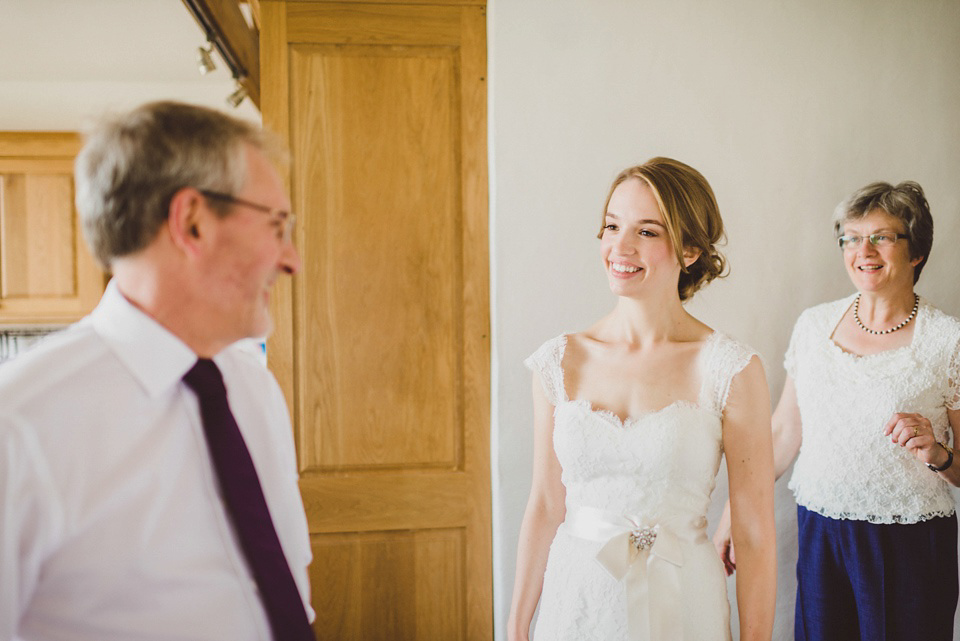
{"type": "Point", "coordinates": [631, 417]}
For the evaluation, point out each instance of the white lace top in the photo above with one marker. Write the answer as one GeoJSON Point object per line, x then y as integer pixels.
{"type": "Point", "coordinates": [847, 468]}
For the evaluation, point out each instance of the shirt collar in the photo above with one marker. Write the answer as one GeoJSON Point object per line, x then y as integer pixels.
{"type": "Point", "coordinates": [152, 354]}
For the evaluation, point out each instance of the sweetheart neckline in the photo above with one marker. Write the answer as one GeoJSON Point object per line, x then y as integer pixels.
{"type": "Point", "coordinates": [636, 418]}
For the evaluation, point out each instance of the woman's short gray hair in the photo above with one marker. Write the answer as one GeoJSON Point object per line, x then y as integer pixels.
{"type": "Point", "coordinates": [906, 202]}
{"type": "Point", "coordinates": [132, 164]}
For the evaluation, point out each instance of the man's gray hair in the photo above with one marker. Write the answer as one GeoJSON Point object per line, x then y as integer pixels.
{"type": "Point", "coordinates": [132, 164]}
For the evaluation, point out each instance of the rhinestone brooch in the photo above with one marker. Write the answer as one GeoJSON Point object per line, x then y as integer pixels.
{"type": "Point", "coordinates": [642, 538]}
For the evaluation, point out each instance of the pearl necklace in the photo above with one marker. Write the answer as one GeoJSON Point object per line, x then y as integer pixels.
{"type": "Point", "coordinates": [856, 317]}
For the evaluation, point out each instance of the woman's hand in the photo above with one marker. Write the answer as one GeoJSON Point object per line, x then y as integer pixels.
{"type": "Point", "coordinates": [914, 432]}
{"type": "Point", "coordinates": [727, 554]}
{"type": "Point", "coordinates": [723, 542]}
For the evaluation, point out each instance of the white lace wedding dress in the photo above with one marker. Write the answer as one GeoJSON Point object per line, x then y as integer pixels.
{"type": "Point", "coordinates": [632, 560]}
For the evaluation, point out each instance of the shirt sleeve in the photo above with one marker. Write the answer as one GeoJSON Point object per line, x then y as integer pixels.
{"type": "Point", "coordinates": [30, 521]}
{"type": "Point", "coordinates": [282, 424]}
{"type": "Point", "coordinates": [294, 518]}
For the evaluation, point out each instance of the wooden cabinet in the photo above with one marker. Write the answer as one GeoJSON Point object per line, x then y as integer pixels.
{"type": "Point", "coordinates": [382, 343]}
{"type": "Point", "coordinates": [47, 275]}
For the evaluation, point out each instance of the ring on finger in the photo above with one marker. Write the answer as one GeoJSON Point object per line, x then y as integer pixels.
{"type": "Point", "coordinates": [916, 430]}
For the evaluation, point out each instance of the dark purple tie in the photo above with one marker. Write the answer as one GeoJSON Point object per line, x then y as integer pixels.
{"type": "Point", "coordinates": [246, 506]}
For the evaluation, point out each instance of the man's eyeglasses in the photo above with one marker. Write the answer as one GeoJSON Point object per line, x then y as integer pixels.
{"type": "Point", "coordinates": [285, 220]}
{"type": "Point", "coordinates": [877, 240]}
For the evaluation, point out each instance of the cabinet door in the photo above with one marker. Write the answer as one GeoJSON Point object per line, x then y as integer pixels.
{"type": "Point", "coordinates": [47, 275]}
{"type": "Point", "coordinates": [383, 340]}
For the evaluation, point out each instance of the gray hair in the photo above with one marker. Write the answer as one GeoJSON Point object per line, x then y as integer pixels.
{"type": "Point", "coordinates": [905, 202]}
{"type": "Point", "coordinates": [132, 164]}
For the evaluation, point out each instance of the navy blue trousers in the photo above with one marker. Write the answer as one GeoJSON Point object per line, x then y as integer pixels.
{"type": "Point", "coordinates": [860, 581]}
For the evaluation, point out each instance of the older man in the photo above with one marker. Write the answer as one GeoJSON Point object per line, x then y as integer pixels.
{"type": "Point", "coordinates": [148, 484]}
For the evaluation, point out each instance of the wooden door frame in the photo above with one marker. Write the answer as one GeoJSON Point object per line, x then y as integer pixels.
{"type": "Point", "coordinates": [281, 347]}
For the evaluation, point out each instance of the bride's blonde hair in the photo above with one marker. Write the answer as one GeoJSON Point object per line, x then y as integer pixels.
{"type": "Point", "coordinates": [690, 213]}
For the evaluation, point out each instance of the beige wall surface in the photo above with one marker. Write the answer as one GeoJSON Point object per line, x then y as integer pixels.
{"type": "Point", "coordinates": [66, 63]}
{"type": "Point", "coordinates": [785, 107]}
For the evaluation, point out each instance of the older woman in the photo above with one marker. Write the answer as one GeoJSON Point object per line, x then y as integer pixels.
{"type": "Point", "coordinates": [873, 394]}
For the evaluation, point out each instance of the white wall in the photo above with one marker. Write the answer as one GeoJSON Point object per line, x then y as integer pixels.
{"type": "Point", "coordinates": [786, 107]}
{"type": "Point", "coordinates": [66, 63]}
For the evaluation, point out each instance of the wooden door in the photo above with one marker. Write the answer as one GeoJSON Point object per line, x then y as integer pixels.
{"type": "Point", "coordinates": [47, 275]}
{"type": "Point", "coordinates": [382, 344]}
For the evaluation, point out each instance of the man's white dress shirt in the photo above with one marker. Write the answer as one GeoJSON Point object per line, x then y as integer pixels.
{"type": "Point", "coordinates": [111, 525]}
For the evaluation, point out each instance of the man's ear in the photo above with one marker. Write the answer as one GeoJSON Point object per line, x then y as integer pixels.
{"type": "Point", "coordinates": [185, 218]}
{"type": "Point", "coordinates": [690, 256]}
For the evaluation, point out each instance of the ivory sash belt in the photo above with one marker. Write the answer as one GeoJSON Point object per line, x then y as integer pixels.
{"type": "Point", "coordinates": [647, 558]}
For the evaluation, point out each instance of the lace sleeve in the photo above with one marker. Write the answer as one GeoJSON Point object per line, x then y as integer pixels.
{"type": "Point", "coordinates": [790, 357]}
{"type": "Point", "coordinates": [546, 363]}
{"type": "Point", "coordinates": [726, 361]}
{"type": "Point", "coordinates": [953, 379]}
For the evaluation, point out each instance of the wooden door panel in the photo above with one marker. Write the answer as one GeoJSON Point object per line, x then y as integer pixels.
{"type": "Point", "coordinates": [375, 24]}
{"type": "Point", "coordinates": [46, 271]}
{"type": "Point", "coordinates": [384, 317]}
{"type": "Point", "coordinates": [412, 582]}
{"type": "Point", "coordinates": [38, 234]}
{"type": "Point", "coordinates": [340, 503]}
{"type": "Point", "coordinates": [382, 345]}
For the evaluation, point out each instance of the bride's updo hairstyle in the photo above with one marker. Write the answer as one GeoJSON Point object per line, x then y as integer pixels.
{"type": "Point", "coordinates": [690, 212]}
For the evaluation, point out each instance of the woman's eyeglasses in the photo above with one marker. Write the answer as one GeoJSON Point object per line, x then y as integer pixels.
{"type": "Point", "coordinates": [877, 240]}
